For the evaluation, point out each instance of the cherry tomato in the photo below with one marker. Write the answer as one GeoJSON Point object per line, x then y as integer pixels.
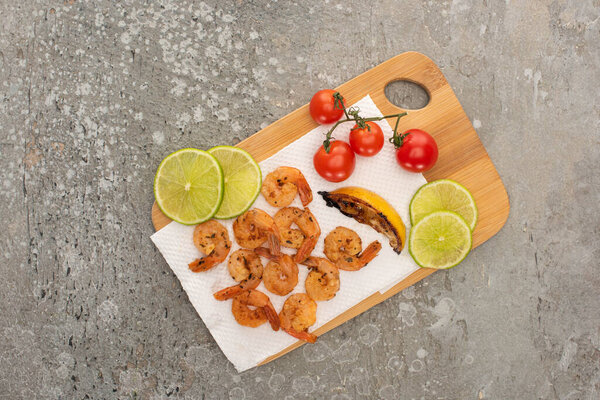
{"type": "Point", "coordinates": [338, 164]}
{"type": "Point", "coordinates": [418, 151]}
{"type": "Point", "coordinates": [322, 107]}
{"type": "Point", "coordinates": [365, 142]}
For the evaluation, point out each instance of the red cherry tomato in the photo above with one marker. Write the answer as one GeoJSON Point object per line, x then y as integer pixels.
{"type": "Point", "coordinates": [365, 142]}
{"type": "Point", "coordinates": [322, 107]}
{"type": "Point", "coordinates": [338, 164]}
{"type": "Point", "coordinates": [418, 152]}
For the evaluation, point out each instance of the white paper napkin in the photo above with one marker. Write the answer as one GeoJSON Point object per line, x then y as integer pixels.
{"type": "Point", "coordinates": [246, 347]}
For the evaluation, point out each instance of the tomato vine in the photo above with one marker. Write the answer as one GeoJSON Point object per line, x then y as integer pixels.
{"type": "Point", "coordinates": [353, 114]}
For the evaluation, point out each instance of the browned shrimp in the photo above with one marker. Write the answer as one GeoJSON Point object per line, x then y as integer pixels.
{"type": "Point", "coordinates": [281, 273]}
{"type": "Point", "coordinates": [255, 227]}
{"type": "Point", "coordinates": [212, 239]}
{"type": "Point", "coordinates": [304, 239]}
{"type": "Point", "coordinates": [323, 282]}
{"type": "Point", "coordinates": [280, 187]}
{"type": "Point", "coordinates": [343, 247]}
{"type": "Point", "coordinates": [299, 312]}
{"type": "Point", "coordinates": [244, 267]}
{"type": "Point", "coordinates": [284, 218]}
{"type": "Point", "coordinates": [262, 309]}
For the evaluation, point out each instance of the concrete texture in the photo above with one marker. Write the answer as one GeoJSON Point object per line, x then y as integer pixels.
{"type": "Point", "coordinates": [94, 94]}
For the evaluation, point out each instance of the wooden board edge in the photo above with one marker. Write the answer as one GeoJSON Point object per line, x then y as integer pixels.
{"type": "Point", "coordinates": [358, 309]}
{"type": "Point", "coordinates": [159, 220]}
{"type": "Point", "coordinates": [502, 218]}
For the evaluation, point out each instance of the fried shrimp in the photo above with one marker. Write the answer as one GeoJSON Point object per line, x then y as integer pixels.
{"type": "Point", "coordinates": [281, 273]}
{"type": "Point", "coordinates": [284, 218]}
{"type": "Point", "coordinates": [243, 263]}
{"type": "Point", "coordinates": [279, 187]}
{"type": "Point", "coordinates": [212, 239]}
{"type": "Point", "coordinates": [305, 238]}
{"type": "Point", "coordinates": [244, 267]}
{"type": "Point", "coordinates": [262, 309]}
{"type": "Point", "coordinates": [323, 282]}
{"type": "Point", "coordinates": [255, 227]}
{"type": "Point", "coordinates": [299, 312]}
{"type": "Point", "coordinates": [343, 247]}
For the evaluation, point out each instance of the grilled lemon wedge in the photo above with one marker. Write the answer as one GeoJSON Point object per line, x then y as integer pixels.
{"type": "Point", "coordinates": [371, 209]}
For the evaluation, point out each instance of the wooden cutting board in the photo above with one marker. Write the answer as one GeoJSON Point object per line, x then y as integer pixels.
{"type": "Point", "coordinates": [462, 156]}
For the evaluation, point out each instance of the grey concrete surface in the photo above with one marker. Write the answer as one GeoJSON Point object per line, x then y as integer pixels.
{"type": "Point", "coordinates": [93, 94]}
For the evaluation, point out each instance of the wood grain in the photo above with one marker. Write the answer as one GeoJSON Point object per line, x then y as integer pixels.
{"type": "Point", "coordinates": [462, 156]}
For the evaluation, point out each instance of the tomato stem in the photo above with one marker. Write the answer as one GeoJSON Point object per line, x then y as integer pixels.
{"type": "Point", "coordinates": [396, 127]}
{"type": "Point", "coordinates": [339, 103]}
{"type": "Point", "coordinates": [352, 114]}
{"type": "Point", "coordinates": [398, 139]}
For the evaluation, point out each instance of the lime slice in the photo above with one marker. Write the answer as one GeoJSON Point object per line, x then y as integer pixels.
{"type": "Point", "coordinates": [243, 180]}
{"type": "Point", "coordinates": [188, 186]}
{"type": "Point", "coordinates": [443, 194]}
{"type": "Point", "coordinates": [440, 240]}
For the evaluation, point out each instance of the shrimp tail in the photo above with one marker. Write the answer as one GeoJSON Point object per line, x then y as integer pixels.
{"type": "Point", "coordinates": [304, 335]}
{"type": "Point", "coordinates": [311, 262]}
{"type": "Point", "coordinates": [272, 316]}
{"type": "Point", "coordinates": [264, 252]}
{"type": "Point", "coordinates": [200, 265]}
{"type": "Point", "coordinates": [304, 191]}
{"type": "Point", "coordinates": [370, 252]}
{"type": "Point", "coordinates": [273, 243]}
{"type": "Point", "coordinates": [228, 293]}
{"type": "Point", "coordinates": [304, 251]}
{"type": "Point", "coordinates": [194, 264]}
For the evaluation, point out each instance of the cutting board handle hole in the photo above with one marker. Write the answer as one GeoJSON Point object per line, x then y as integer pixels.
{"type": "Point", "coordinates": [406, 95]}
